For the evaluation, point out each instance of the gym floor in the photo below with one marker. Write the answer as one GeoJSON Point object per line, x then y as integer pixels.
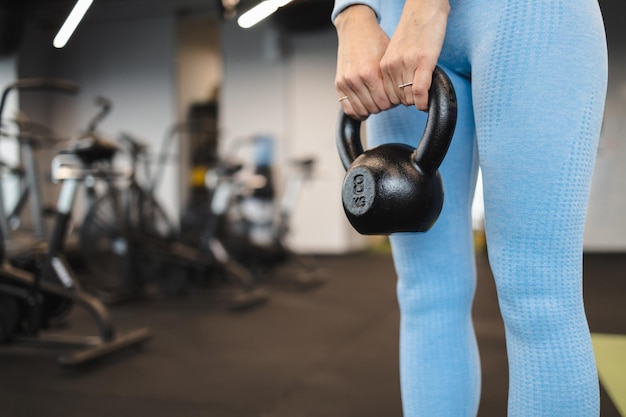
{"type": "Point", "coordinates": [326, 352]}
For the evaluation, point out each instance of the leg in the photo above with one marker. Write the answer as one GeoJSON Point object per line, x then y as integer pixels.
{"type": "Point", "coordinates": [539, 90]}
{"type": "Point", "coordinates": [440, 370]}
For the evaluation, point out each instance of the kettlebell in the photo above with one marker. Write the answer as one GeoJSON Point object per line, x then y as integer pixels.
{"type": "Point", "coordinates": [394, 187]}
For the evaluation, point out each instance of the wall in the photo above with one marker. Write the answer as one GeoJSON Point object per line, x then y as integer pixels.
{"type": "Point", "coordinates": [198, 78]}
{"type": "Point", "coordinates": [319, 224]}
{"type": "Point", "coordinates": [606, 225]}
{"type": "Point", "coordinates": [283, 86]}
{"type": "Point", "coordinates": [8, 149]}
{"type": "Point", "coordinates": [129, 61]}
{"type": "Point", "coordinates": [253, 92]}
{"type": "Point", "coordinates": [8, 73]}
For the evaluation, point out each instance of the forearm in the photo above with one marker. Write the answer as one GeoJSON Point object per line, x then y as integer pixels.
{"type": "Point", "coordinates": [361, 44]}
{"type": "Point", "coordinates": [342, 5]}
{"type": "Point", "coordinates": [419, 15]}
{"type": "Point", "coordinates": [413, 52]}
{"type": "Point", "coordinates": [356, 17]}
{"type": "Point", "coordinates": [432, 6]}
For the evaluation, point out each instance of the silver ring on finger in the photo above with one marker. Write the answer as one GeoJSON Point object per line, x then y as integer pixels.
{"type": "Point", "coordinates": [405, 84]}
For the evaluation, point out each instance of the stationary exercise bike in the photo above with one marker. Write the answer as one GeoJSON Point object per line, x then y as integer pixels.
{"type": "Point", "coordinates": [136, 245]}
{"type": "Point", "coordinates": [30, 136]}
{"type": "Point", "coordinates": [33, 297]}
{"type": "Point", "coordinates": [255, 218]}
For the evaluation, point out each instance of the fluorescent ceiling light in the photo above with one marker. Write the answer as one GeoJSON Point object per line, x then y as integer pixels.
{"type": "Point", "coordinates": [72, 21]}
{"type": "Point", "coordinates": [260, 12]}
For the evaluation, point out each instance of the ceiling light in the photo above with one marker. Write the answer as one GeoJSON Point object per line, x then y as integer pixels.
{"type": "Point", "coordinates": [72, 21]}
{"type": "Point", "coordinates": [260, 12]}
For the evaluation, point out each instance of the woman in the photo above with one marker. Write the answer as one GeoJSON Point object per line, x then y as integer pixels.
{"type": "Point", "coordinates": [530, 78]}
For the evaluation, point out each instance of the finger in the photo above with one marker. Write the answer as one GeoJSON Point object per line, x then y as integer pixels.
{"type": "Point", "coordinates": [392, 78]}
{"type": "Point", "coordinates": [405, 89]}
{"type": "Point", "coordinates": [391, 89]}
{"type": "Point", "coordinates": [421, 85]}
{"type": "Point", "coordinates": [362, 103]}
{"type": "Point", "coordinates": [352, 104]}
{"type": "Point", "coordinates": [366, 97]}
{"type": "Point", "coordinates": [380, 97]}
{"type": "Point", "coordinates": [364, 91]}
{"type": "Point", "coordinates": [350, 100]}
{"type": "Point", "coordinates": [348, 109]}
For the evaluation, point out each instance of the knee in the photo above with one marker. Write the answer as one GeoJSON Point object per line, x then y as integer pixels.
{"type": "Point", "coordinates": [533, 312]}
{"type": "Point", "coordinates": [436, 296]}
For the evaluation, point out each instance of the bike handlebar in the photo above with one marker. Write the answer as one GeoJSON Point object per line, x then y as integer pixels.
{"type": "Point", "coordinates": [105, 108]}
{"type": "Point", "coordinates": [38, 84]}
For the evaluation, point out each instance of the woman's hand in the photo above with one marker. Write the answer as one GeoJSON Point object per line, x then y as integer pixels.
{"type": "Point", "coordinates": [359, 80]}
{"type": "Point", "coordinates": [410, 59]}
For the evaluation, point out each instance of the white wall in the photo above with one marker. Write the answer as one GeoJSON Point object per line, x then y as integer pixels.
{"type": "Point", "coordinates": [253, 90]}
{"type": "Point", "coordinates": [8, 149]}
{"type": "Point", "coordinates": [606, 223]}
{"type": "Point", "coordinates": [8, 74]}
{"type": "Point", "coordinates": [129, 61]}
{"type": "Point", "coordinates": [320, 224]}
{"type": "Point", "coordinates": [281, 86]}
{"type": "Point", "coordinates": [284, 87]}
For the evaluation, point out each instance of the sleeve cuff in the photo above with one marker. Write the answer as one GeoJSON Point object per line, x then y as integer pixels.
{"type": "Point", "coordinates": [341, 5]}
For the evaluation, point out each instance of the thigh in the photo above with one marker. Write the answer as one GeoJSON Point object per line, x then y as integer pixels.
{"type": "Point", "coordinates": [422, 257]}
{"type": "Point", "coordinates": [539, 81]}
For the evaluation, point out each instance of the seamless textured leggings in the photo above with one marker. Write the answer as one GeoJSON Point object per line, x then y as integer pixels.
{"type": "Point", "coordinates": [530, 76]}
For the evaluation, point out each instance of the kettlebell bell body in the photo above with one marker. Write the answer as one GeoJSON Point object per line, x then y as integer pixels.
{"type": "Point", "coordinates": [394, 187]}
{"type": "Point", "coordinates": [385, 192]}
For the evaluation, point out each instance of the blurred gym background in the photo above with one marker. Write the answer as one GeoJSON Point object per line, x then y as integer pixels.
{"type": "Point", "coordinates": [256, 296]}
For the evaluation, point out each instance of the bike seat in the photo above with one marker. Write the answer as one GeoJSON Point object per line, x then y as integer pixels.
{"type": "Point", "coordinates": [90, 150]}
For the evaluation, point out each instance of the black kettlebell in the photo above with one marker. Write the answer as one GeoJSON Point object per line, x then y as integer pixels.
{"type": "Point", "coordinates": [394, 187]}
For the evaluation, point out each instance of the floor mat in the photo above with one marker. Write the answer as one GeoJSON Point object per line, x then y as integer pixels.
{"type": "Point", "coordinates": [610, 351]}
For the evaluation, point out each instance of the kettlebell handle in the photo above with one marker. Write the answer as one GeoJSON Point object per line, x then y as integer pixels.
{"type": "Point", "coordinates": [349, 142]}
{"type": "Point", "coordinates": [435, 141]}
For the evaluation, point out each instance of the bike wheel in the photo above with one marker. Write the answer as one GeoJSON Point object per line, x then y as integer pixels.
{"type": "Point", "coordinates": [9, 318]}
{"type": "Point", "coordinates": [107, 250]}
{"type": "Point", "coordinates": [146, 216]}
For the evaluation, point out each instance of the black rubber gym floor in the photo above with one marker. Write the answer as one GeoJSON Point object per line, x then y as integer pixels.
{"type": "Point", "coordinates": [326, 352]}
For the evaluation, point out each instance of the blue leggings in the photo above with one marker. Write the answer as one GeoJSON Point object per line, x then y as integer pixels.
{"type": "Point", "coordinates": [530, 77]}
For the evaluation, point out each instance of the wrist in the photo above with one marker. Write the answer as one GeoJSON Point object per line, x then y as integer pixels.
{"type": "Point", "coordinates": [436, 6]}
{"type": "Point", "coordinates": [358, 14]}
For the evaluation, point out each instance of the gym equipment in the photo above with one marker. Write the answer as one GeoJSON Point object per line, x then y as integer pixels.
{"type": "Point", "coordinates": [30, 136]}
{"type": "Point", "coordinates": [135, 245]}
{"type": "Point", "coordinates": [96, 186]}
{"type": "Point", "coordinates": [32, 299]}
{"type": "Point", "coordinates": [253, 216]}
{"type": "Point", "coordinates": [394, 187]}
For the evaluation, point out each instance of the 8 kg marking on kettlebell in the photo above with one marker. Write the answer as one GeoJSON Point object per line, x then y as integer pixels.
{"type": "Point", "coordinates": [358, 191]}
{"type": "Point", "coordinates": [358, 198]}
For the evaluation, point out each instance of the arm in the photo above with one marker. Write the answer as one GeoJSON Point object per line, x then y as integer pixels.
{"type": "Point", "coordinates": [362, 44]}
{"type": "Point", "coordinates": [341, 5]}
{"type": "Point", "coordinates": [413, 51]}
